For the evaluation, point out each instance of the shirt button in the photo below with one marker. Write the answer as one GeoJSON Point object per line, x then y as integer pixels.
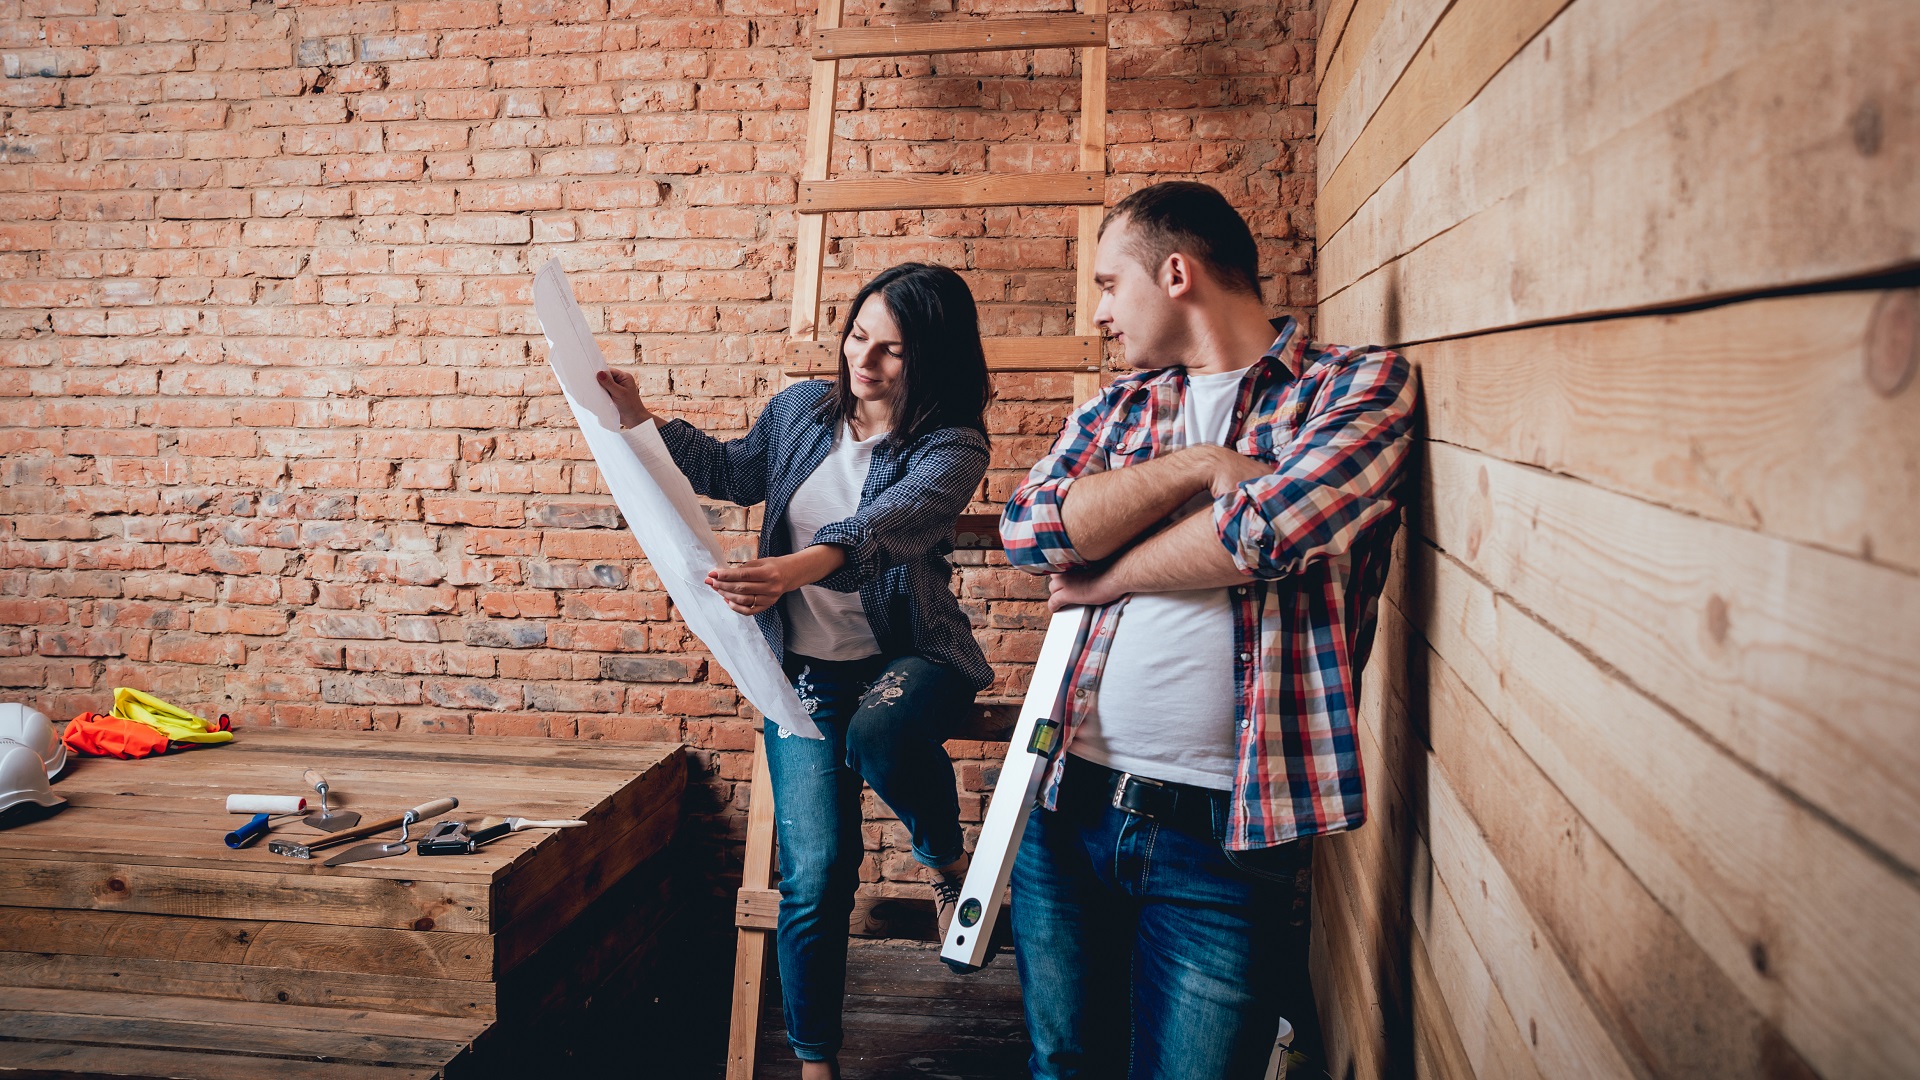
{"type": "Point", "coordinates": [1079, 693]}
{"type": "Point", "coordinates": [1244, 657]}
{"type": "Point", "coordinates": [1243, 723]}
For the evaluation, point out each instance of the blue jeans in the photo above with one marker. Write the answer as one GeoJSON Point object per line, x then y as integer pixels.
{"type": "Point", "coordinates": [1145, 950]}
{"type": "Point", "coordinates": [884, 722]}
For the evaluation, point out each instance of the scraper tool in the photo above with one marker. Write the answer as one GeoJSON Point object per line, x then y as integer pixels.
{"type": "Point", "coordinates": [324, 819]}
{"type": "Point", "coordinates": [368, 852]}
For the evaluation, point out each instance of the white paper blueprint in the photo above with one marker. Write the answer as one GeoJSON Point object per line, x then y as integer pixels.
{"type": "Point", "coordinates": [660, 508]}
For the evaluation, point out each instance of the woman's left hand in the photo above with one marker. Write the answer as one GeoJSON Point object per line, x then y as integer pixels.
{"type": "Point", "coordinates": [752, 587]}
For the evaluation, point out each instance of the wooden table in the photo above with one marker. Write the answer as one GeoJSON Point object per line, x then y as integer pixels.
{"type": "Point", "coordinates": [134, 942]}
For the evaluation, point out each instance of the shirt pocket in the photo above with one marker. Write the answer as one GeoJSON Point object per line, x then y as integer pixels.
{"type": "Point", "coordinates": [1131, 448]}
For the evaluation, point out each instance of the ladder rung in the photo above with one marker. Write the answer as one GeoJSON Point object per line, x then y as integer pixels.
{"type": "Point", "coordinates": [975, 35]}
{"type": "Point", "coordinates": [807, 359]}
{"type": "Point", "coordinates": [948, 192]}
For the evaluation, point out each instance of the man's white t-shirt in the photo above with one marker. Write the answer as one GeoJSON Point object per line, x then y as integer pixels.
{"type": "Point", "coordinates": [821, 623]}
{"type": "Point", "coordinates": [1165, 706]}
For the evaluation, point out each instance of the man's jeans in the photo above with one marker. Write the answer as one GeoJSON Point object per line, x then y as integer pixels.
{"type": "Point", "coordinates": [884, 721]}
{"type": "Point", "coordinates": [1144, 952]}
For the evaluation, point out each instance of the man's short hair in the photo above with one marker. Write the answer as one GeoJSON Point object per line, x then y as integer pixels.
{"type": "Point", "coordinates": [1196, 221]}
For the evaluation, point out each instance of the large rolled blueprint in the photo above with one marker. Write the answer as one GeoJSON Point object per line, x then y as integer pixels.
{"type": "Point", "coordinates": [660, 508]}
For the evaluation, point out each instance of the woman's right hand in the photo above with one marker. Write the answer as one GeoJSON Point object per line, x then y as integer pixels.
{"type": "Point", "coordinates": [625, 392]}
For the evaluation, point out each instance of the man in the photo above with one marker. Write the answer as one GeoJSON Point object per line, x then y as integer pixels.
{"type": "Point", "coordinates": [1227, 509]}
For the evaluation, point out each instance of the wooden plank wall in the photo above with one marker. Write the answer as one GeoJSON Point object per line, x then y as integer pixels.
{"type": "Point", "coordinates": [1642, 723]}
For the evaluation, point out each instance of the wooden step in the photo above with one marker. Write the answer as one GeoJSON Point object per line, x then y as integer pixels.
{"type": "Point", "coordinates": [79, 1032]}
{"type": "Point", "coordinates": [875, 914]}
{"type": "Point", "coordinates": [907, 1015]}
{"type": "Point", "coordinates": [974, 35]}
{"type": "Point", "coordinates": [812, 359]}
{"type": "Point", "coordinates": [950, 192]}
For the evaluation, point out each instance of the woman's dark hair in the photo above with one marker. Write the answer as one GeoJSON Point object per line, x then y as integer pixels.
{"type": "Point", "coordinates": [943, 372]}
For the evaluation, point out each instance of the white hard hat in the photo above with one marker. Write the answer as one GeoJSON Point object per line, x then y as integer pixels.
{"type": "Point", "coordinates": [30, 728]}
{"type": "Point", "coordinates": [22, 778]}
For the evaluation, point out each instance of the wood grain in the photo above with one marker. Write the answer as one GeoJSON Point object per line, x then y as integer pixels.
{"type": "Point", "coordinates": [947, 192]}
{"type": "Point", "coordinates": [1368, 76]}
{"type": "Point", "coordinates": [1336, 63]}
{"type": "Point", "coordinates": [813, 359]}
{"type": "Point", "coordinates": [1656, 991]}
{"type": "Point", "coordinates": [1770, 415]}
{"type": "Point", "coordinates": [1638, 56]}
{"type": "Point", "coordinates": [1718, 195]}
{"type": "Point", "coordinates": [1820, 936]}
{"type": "Point", "coordinates": [1332, 26]}
{"type": "Point", "coordinates": [1798, 661]}
{"type": "Point", "coordinates": [961, 35]}
{"type": "Point", "coordinates": [253, 942]}
{"type": "Point", "coordinates": [1470, 44]}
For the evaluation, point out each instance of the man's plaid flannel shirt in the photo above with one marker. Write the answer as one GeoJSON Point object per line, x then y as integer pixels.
{"type": "Point", "coordinates": [1312, 537]}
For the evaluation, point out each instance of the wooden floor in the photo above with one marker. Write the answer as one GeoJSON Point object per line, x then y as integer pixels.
{"type": "Point", "coordinates": [907, 1016]}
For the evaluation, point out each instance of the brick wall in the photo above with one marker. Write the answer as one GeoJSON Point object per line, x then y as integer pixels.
{"type": "Point", "coordinates": [279, 435]}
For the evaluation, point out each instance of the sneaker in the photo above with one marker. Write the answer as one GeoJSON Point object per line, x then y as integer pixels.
{"type": "Point", "coordinates": [947, 882]}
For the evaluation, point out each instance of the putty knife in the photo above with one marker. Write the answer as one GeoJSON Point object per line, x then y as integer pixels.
{"type": "Point", "coordinates": [324, 819]}
{"type": "Point", "coordinates": [369, 852]}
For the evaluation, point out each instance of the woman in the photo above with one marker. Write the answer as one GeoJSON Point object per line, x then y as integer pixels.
{"type": "Point", "coordinates": [863, 480]}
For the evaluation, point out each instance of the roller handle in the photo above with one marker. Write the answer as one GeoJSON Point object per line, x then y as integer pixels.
{"type": "Point", "coordinates": [248, 833]}
{"type": "Point", "coordinates": [265, 804]}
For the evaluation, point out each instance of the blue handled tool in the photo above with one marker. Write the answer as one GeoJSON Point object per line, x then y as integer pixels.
{"type": "Point", "coordinates": [248, 833]}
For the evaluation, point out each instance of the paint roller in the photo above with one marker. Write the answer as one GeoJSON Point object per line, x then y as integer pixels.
{"type": "Point", "coordinates": [263, 808]}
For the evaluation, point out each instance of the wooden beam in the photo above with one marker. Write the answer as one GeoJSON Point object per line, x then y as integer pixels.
{"type": "Point", "coordinates": [810, 245]}
{"type": "Point", "coordinates": [247, 982]}
{"type": "Point", "coordinates": [750, 949]}
{"type": "Point", "coordinates": [1469, 45]}
{"type": "Point", "coordinates": [1799, 660]}
{"type": "Point", "coordinates": [1745, 414]}
{"type": "Point", "coordinates": [1750, 871]}
{"type": "Point", "coordinates": [969, 35]}
{"type": "Point", "coordinates": [811, 359]}
{"type": "Point", "coordinates": [1093, 158]}
{"type": "Point", "coordinates": [259, 942]}
{"type": "Point", "coordinates": [947, 192]}
{"type": "Point", "coordinates": [1707, 196]}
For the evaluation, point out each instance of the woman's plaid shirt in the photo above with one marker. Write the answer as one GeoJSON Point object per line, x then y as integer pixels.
{"type": "Point", "coordinates": [1312, 536]}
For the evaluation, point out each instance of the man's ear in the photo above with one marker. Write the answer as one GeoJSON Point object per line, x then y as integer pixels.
{"type": "Point", "coordinates": [1176, 275]}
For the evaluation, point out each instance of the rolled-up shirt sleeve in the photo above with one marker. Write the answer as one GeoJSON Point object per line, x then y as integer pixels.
{"type": "Point", "coordinates": [1032, 531]}
{"type": "Point", "coordinates": [913, 517]}
{"type": "Point", "coordinates": [1336, 478]}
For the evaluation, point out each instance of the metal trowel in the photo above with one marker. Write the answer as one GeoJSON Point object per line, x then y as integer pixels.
{"type": "Point", "coordinates": [324, 819]}
{"type": "Point", "coordinates": [369, 852]}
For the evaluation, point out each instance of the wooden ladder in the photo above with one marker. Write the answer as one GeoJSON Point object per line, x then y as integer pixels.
{"type": "Point", "coordinates": [808, 356]}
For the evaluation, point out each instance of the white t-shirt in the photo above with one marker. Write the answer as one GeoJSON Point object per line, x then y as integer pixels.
{"type": "Point", "coordinates": [1165, 704]}
{"type": "Point", "coordinates": [822, 623]}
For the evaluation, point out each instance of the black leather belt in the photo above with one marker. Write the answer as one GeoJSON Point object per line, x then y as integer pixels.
{"type": "Point", "coordinates": [1180, 806]}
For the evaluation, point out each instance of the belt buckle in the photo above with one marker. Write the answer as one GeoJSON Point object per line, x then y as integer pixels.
{"type": "Point", "coordinates": [1126, 783]}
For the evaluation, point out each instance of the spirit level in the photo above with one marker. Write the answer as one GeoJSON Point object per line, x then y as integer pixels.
{"type": "Point", "coordinates": [1036, 736]}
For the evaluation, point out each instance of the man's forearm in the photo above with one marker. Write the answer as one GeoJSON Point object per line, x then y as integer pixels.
{"type": "Point", "coordinates": [1185, 555]}
{"type": "Point", "coordinates": [1105, 511]}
